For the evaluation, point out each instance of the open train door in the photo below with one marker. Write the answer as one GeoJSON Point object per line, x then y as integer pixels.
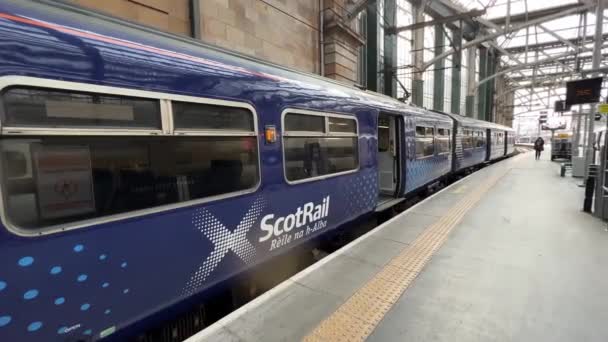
{"type": "Point", "coordinates": [389, 160]}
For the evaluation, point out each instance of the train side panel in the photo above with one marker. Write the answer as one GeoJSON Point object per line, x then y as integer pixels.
{"type": "Point", "coordinates": [426, 160]}
{"type": "Point", "coordinates": [471, 149]}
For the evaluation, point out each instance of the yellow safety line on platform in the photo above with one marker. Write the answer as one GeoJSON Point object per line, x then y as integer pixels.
{"type": "Point", "coordinates": [356, 318]}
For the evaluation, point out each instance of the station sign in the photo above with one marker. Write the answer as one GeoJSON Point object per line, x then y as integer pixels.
{"type": "Point", "coordinates": [602, 108]}
{"type": "Point", "coordinates": [583, 91]}
{"type": "Point", "coordinates": [560, 106]}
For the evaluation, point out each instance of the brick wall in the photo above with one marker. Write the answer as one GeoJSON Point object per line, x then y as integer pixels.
{"type": "Point", "coordinates": [280, 31]}
{"type": "Point", "coordinates": [167, 15]}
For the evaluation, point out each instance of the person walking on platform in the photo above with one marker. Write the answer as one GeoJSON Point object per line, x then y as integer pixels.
{"type": "Point", "coordinates": [539, 146]}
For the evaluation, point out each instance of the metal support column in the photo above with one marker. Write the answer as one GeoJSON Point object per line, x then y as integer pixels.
{"type": "Point", "coordinates": [597, 57]}
{"type": "Point", "coordinates": [456, 70]}
{"type": "Point", "coordinates": [470, 99]}
{"type": "Point", "coordinates": [372, 46]}
{"type": "Point", "coordinates": [490, 87]}
{"type": "Point", "coordinates": [439, 72]}
{"type": "Point", "coordinates": [577, 134]}
{"type": "Point", "coordinates": [483, 89]}
{"type": "Point", "coordinates": [417, 80]}
{"type": "Point", "coordinates": [390, 49]}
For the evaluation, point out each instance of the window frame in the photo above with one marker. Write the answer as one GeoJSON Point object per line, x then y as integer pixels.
{"type": "Point", "coordinates": [167, 130]}
{"type": "Point", "coordinates": [442, 137]}
{"type": "Point", "coordinates": [325, 134]}
{"type": "Point", "coordinates": [425, 137]}
{"type": "Point", "coordinates": [467, 135]}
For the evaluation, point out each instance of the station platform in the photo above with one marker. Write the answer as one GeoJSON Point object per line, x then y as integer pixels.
{"type": "Point", "coordinates": [505, 254]}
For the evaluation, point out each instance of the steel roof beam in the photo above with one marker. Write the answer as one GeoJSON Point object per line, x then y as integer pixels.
{"type": "Point", "coordinates": [445, 8]}
{"type": "Point", "coordinates": [558, 37]}
{"type": "Point", "coordinates": [561, 74]}
{"type": "Point", "coordinates": [504, 31]}
{"type": "Point", "coordinates": [553, 44]}
{"type": "Point", "coordinates": [513, 19]}
{"type": "Point", "coordinates": [442, 20]}
{"type": "Point", "coordinates": [527, 65]}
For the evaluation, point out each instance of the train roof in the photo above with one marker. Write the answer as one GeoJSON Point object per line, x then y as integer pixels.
{"type": "Point", "coordinates": [467, 121]}
{"type": "Point", "coordinates": [106, 31]}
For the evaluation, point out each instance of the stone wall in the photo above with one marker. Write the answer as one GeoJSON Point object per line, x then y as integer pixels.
{"type": "Point", "coordinates": [167, 15]}
{"type": "Point", "coordinates": [341, 42]}
{"type": "Point", "coordinates": [284, 32]}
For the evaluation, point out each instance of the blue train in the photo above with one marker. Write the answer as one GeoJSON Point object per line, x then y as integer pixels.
{"type": "Point", "coordinates": [141, 170]}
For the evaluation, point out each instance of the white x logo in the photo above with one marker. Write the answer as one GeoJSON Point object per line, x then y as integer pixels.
{"type": "Point", "coordinates": [223, 241]}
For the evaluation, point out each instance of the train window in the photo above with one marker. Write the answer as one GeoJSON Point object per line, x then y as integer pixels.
{"type": "Point", "coordinates": [304, 123]}
{"type": "Point", "coordinates": [467, 139]}
{"type": "Point", "coordinates": [311, 153]}
{"type": "Point", "coordinates": [384, 134]}
{"type": "Point", "coordinates": [87, 177]}
{"type": "Point", "coordinates": [420, 131]}
{"type": "Point", "coordinates": [424, 142]}
{"type": "Point", "coordinates": [480, 139]}
{"type": "Point", "coordinates": [340, 125]}
{"type": "Point", "coordinates": [52, 108]}
{"type": "Point", "coordinates": [443, 140]}
{"type": "Point", "coordinates": [198, 116]}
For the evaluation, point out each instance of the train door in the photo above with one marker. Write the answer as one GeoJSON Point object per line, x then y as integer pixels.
{"type": "Point", "coordinates": [388, 156]}
{"type": "Point", "coordinates": [489, 142]}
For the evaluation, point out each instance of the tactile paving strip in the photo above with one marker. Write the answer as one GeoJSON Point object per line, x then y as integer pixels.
{"type": "Point", "coordinates": [357, 318]}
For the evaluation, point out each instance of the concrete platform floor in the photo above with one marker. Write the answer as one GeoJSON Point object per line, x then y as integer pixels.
{"type": "Point", "coordinates": [523, 264]}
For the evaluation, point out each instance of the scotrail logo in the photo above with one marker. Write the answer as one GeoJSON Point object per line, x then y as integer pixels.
{"type": "Point", "coordinates": [281, 231]}
{"type": "Point", "coordinates": [224, 241]}
{"type": "Point", "coordinates": [303, 216]}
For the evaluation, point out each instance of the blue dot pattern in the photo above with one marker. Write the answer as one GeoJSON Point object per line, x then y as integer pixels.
{"type": "Point", "coordinates": [47, 325]}
{"type": "Point", "coordinates": [362, 192]}
{"type": "Point", "coordinates": [34, 326]}
{"type": "Point", "coordinates": [30, 294]}
{"type": "Point", "coordinates": [26, 261]}
{"type": "Point", "coordinates": [4, 320]}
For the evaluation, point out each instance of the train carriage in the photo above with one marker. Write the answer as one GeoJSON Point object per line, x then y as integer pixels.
{"type": "Point", "coordinates": [141, 170]}
{"type": "Point", "coordinates": [496, 146]}
{"type": "Point", "coordinates": [429, 142]}
{"type": "Point", "coordinates": [510, 141]}
{"type": "Point", "coordinates": [469, 142]}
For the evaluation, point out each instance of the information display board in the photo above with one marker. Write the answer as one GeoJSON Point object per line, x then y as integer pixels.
{"type": "Point", "coordinates": [583, 91]}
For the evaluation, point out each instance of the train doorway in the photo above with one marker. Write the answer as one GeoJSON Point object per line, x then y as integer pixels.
{"type": "Point", "coordinates": [388, 158]}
